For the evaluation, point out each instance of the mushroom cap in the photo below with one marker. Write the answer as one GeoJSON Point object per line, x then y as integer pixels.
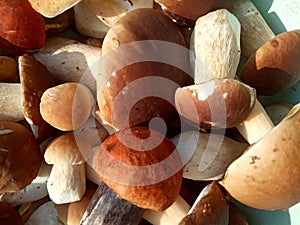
{"type": "Point", "coordinates": [142, 166]}
{"type": "Point", "coordinates": [72, 213]}
{"type": "Point", "coordinates": [266, 176]}
{"type": "Point", "coordinates": [20, 157]}
{"type": "Point", "coordinates": [8, 215]}
{"type": "Point", "coordinates": [66, 106]}
{"type": "Point", "coordinates": [68, 148]}
{"type": "Point", "coordinates": [275, 66]}
{"type": "Point", "coordinates": [137, 27]}
{"type": "Point", "coordinates": [35, 79]}
{"type": "Point", "coordinates": [217, 103]}
{"type": "Point", "coordinates": [22, 29]}
{"type": "Point", "coordinates": [193, 9]}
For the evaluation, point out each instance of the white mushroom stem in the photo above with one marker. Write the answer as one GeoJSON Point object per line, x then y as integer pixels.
{"type": "Point", "coordinates": [255, 30]}
{"type": "Point", "coordinates": [172, 215]}
{"type": "Point", "coordinates": [66, 183]}
{"type": "Point", "coordinates": [11, 102]}
{"type": "Point", "coordinates": [257, 124]}
{"type": "Point", "coordinates": [71, 61]}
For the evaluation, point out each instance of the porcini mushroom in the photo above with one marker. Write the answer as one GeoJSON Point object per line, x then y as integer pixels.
{"type": "Point", "coordinates": [136, 33]}
{"type": "Point", "coordinates": [67, 180]}
{"type": "Point", "coordinates": [8, 69]}
{"type": "Point", "coordinates": [274, 67]}
{"type": "Point", "coordinates": [141, 166]}
{"type": "Point", "coordinates": [217, 103]}
{"type": "Point", "coordinates": [23, 29]}
{"type": "Point", "coordinates": [66, 106]}
{"type": "Point", "coordinates": [215, 42]}
{"type": "Point", "coordinates": [253, 178]}
{"type": "Point", "coordinates": [20, 157]}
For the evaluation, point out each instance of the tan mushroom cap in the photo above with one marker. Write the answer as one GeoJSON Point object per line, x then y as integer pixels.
{"type": "Point", "coordinates": [275, 66]}
{"type": "Point", "coordinates": [217, 103]}
{"type": "Point", "coordinates": [68, 149]}
{"type": "Point", "coordinates": [66, 106]}
{"type": "Point", "coordinates": [9, 216]}
{"type": "Point", "coordinates": [35, 79]}
{"type": "Point", "coordinates": [146, 171]}
{"type": "Point", "coordinates": [266, 176]}
{"type": "Point", "coordinates": [20, 157]}
{"type": "Point", "coordinates": [52, 8]}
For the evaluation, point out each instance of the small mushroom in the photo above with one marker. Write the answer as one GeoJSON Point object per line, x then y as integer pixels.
{"type": "Point", "coordinates": [87, 22]}
{"type": "Point", "coordinates": [52, 8]}
{"type": "Point", "coordinates": [216, 103]}
{"type": "Point", "coordinates": [8, 215]}
{"type": "Point", "coordinates": [206, 155]}
{"type": "Point", "coordinates": [66, 106]}
{"type": "Point", "coordinates": [266, 176]}
{"type": "Point", "coordinates": [67, 180]}
{"type": "Point", "coordinates": [142, 166]}
{"type": "Point", "coordinates": [9, 70]}
{"type": "Point", "coordinates": [70, 61]}
{"type": "Point", "coordinates": [211, 207]}
{"type": "Point", "coordinates": [23, 29]}
{"type": "Point", "coordinates": [255, 31]}
{"type": "Point", "coordinates": [111, 11]}
{"type": "Point", "coordinates": [275, 66]}
{"type": "Point", "coordinates": [20, 157]}
{"type": "Point", "coordinates": [216, 44]}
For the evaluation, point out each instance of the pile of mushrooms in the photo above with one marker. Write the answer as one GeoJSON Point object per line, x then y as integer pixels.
{"type": "Point", "coordinates": [110, 108]}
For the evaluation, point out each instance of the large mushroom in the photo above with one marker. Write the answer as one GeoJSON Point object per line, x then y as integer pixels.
{"type": "Point", "coordinates": [67, 180]}
{"type": "Point", "coordinates": [142, 166]}
{"type": "Point", "coordinates": [133, 69]}
{"type": "Point", "coordinates": [20, 157]}
{"type": "Point", "coordinates": [266, 176]}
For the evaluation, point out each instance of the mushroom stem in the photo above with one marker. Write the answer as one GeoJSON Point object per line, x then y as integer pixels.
{"type": "Point", "coordinates": [171, 215]}
{"type": "Point", "coordinates": [11, 102]}
{"type": "Point", "coordinates": [255, 31]}
{"type": "Point", "coordinates": [104, 202]}
{"type": "Point", "coordinates": [257, 124]}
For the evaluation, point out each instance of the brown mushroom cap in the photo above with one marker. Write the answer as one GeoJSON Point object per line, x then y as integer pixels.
{"type": "Point", "coordinates": [218, 103]}
{"type": "Point", "coordinates": [146, 171]}
{"type": "Point", "coordinates": [8, 69]}
{"type": "Point", "coordinates": [72, 213]}
{"type": "Point", "coordinates": [35, 79]}
{"type": "Point", "coordinates": [275, 65]}
{"type": "Point", "coordinates": [9, 216]}
{"type": "Point", "coordinates": [68, 149]}
{"type": "Point", "coordinates": [139, 25]}
{"type": "Point", "coordinates": [20, 157]}
{"type": "Point", "coordinates": [66, 106]}
{"type": "Point", "coordinates": [266, 176]}
{"type": "Point", "coordinates": [193, 9]}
